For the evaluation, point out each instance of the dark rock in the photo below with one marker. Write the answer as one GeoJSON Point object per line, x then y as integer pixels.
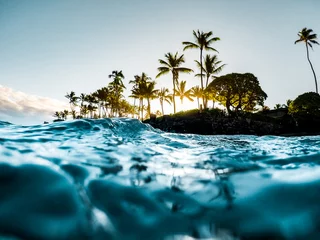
{"type": "Point", "coordinates": [242, 123]}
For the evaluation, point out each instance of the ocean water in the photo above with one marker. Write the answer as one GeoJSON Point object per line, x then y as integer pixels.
{"type": "Point", "coordinates": [121, 179]}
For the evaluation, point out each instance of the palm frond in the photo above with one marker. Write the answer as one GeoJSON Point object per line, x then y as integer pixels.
{"type": "Point", "coordinates": [162, 71]}
{"type": "Point", "coordinates": [190, 45]}
{"type": "Point", "coordinates": [164, 62]}
{"type": "Point", "coordinates": [211, 48]}
{"type": "Point", "coordinates": [184, 70]}
{"type": "Point", "coordinates": [199, 75]}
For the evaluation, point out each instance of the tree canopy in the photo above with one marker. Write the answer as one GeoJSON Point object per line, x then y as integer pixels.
{"type": "Point", "coordinates": [306, 103]}
{"type": "Point", "coordinates": [237, 91]}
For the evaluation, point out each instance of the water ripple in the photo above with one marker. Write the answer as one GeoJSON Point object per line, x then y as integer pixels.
{"type": "Point", "coordinates": [121, 179]}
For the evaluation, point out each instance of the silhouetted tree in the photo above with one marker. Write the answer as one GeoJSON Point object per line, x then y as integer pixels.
{"type": "Point", "coordinates": [182, 92]}
{"type": "Point", "coordinates": [164, 96]}
{"type": "Point", "coordinates": [307, 103]}
{"type": "Point", "coordinates": [306, 36]}
{"type": "Point", "coordinates": [73, 99]}
{"type": "Point", "coordinates": [211, 67]}
{"type": "Point", "coordinates": [173, 65]}
{"type": "Point", "coordinates": [238, 91]}
{"type": "Point", "coordinates": [202, 41]}
{"type": "Point", "coordinates": [197, 93]}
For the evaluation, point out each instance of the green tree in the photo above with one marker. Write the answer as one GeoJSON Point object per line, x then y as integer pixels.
{"type": "Point", "coordinates": [308, 37]}
{"type": "Point", "coordinates": [307, 103]}
{"type": "Point", "coordinates": [182, 92]}
{"type": "Point", "coordinates": [202, 41]}
{"type": "Point", "coordinates": [173, 64]}
{"type": "Point", "coordinates": [164, 96]}
{"type": "Point", "coordinates": [238, 92]}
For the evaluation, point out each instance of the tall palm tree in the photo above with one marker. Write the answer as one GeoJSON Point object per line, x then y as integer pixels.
{"type": "Point", "coordinates": [182, 93]}
{"type": "Point", "coordinates": [173, 64]}
{"type": "Point", "coordinates": [139, 88]}
{"type": "Point", "coordinates": [308, 37]}
{"type": "Point", "coordinates": [84, 111]}
{"type": "Point", "coordinates": [164, 96]}
{"type": "Point", "coordinates": [202, 41]}
{"type": "Point", "coordinates": [82, 99]}
{"type": "Point", "coordinates": [92, 100]}
{"type": "Point", "coordinates": [73, 99]}
{"type": "Point", "coordinates": [197, 92]}
{"type": "Point", "coordinates": [210, 68]}
{"type": "Point", "coordinates": [116, 87]}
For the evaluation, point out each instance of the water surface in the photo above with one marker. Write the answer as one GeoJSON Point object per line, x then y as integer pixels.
{"type": "Point", "coordinates": [121, 179]}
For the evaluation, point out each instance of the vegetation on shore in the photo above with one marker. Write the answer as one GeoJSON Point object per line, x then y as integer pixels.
{"type": "Point", "coordinates": [238, 93]}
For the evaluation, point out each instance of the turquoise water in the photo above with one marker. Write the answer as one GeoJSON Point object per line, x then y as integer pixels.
{"type": "Point", "coordinates": [121, 179]}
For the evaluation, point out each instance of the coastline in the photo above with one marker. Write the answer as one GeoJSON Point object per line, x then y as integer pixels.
{"type": "Point", "coordinates": [259, 124]}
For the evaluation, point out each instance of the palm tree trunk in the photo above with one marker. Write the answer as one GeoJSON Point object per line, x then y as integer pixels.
{"type": "Point", "coordinates": [203, 99]}
{"type": "Point", "coordinates": [205, 104]}
{"type": "Point", "coordinates": [142, 109]}
{"type": "Point", "coordinates": [198, 103]}
{"type": "Point", "coordinates": [174, 90]}
{"type": "Point", "coordinates": [149, 107]}
{"type": "Point", "coordinates": [161, 103]}
{"type": "Point", "coordinates": [134, 105]}
{"type": "Point", "coordinates": [314, 74]}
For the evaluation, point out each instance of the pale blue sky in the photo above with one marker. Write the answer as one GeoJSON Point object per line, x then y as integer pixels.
{"type": "Point", "coordinates": [50, 47]}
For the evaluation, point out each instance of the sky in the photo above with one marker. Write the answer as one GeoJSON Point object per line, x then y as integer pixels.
{"type": "Point", "coordinates": [49, 48]}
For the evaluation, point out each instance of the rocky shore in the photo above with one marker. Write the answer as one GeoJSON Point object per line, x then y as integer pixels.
{"type": "Point", "coordinates": [216, 122]}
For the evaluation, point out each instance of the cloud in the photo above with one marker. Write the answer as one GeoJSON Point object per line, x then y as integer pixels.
{"type": "Point", "coordinates": [21, 107]}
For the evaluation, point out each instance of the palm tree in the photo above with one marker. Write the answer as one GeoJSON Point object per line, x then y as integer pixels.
{"type": "Point", "coordinates": [164, 96]}
{"type": "Point", "coordinates": [82, 98]}
{"type": "Point", "coordinates": [173, 64]}
{"type": "Point", "coordinates": [211, 66]}
{"type": "Point", "coordinates": [65, 114]}
{"type": "Point", "coordinates": [197, 92]}
{"type": "Point", "coordinates": [149, 93]}
{"type": "Point", "coordinates": [277, 106]}
{"type": "Point", "coordinates": [92, 100]}
{"type": "Point", "coordinates": [203, 42]}
{"type": "Point", "coordinates": [182, 92]}
{"type": "Point", "coordinates": [308, 37]}
{"type": "Point", "coordinates": [84, 111]}
{"type": "Point", "coordinates": [116, 87]}
{"type": "Point", "coordinates": [139, 89]}
{"type": "Point", "coordinates": [57, 115]}
{"type": "Point", "coordinates": [73, 99]}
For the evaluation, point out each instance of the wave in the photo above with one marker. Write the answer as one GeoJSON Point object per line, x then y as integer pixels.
{"type": "Point", "coordinates": [122, 179]}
